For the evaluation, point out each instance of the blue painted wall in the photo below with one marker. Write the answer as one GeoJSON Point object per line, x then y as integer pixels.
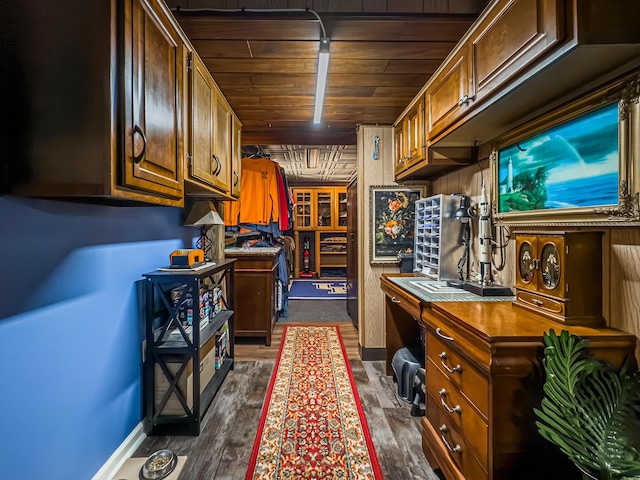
{"type": "Point", "coordinates": [70, 337]}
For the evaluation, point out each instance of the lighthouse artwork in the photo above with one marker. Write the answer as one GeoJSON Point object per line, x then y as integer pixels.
{"type": "Point", "coordinates": [573, 164]}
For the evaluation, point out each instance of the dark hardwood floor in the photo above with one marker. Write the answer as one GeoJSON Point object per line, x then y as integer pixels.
{"type": "Point", "coordinates": [223, 448]}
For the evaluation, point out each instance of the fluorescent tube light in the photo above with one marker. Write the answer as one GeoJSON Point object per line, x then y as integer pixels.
{"type": "Point", "coordinates": [321, 82]}
{"type": "Point", "coordinates": [312, 157]}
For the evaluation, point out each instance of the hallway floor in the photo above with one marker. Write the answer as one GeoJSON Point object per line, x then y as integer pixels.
{"type": "Point", "coordinates": [223, 448]}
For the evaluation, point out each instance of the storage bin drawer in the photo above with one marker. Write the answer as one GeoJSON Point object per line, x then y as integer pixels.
{"type": "Point", "coordinates": [459, 372]}
{"type": "Point", "coordinates": [457, 410]}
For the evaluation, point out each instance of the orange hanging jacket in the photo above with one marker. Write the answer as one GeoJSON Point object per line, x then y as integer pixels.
{"type": "Point", "coordinates": [259, 193]}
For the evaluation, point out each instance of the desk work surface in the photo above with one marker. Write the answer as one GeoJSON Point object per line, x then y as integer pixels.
{"type": "Point", "coordinates": [435, 291]}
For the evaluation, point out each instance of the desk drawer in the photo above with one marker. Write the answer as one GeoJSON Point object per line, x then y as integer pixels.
{"type": "Point", "coordinates": [404, 300]}
{"type": "Point", "coordinates": [443, 432]}
{"type": "Point", "coordinates": [457, 410]}
{"type": "Point", "coordinates": [459, 372]}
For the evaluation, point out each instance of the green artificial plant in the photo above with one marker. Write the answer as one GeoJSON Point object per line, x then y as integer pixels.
{"type": "Point", "coordinates": [589, 410]}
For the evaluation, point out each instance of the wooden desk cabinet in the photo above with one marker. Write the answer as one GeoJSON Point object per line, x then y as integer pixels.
{"type": "Point", "coordinates": [256, 288]}
{"type": "Point", "coordinates": [484, 376]}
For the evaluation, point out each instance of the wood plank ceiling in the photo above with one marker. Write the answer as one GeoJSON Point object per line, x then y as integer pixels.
{"type": "Point", "coordinates": [382, 53]}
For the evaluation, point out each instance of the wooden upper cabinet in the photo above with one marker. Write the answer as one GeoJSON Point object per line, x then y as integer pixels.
{"type": "Point", "coordinates": [153, 102]}
{"type": "Point", "coordinates": [222, 141]}
{"type": "Point", "coordinates": [105, 105]}
{"type": "Point", "coordinates": [210, 136]}
{"type": "Point", "coordinates": [410, 138]}
{"type": "Point", "coordinates": [416, 139]}
{"type": "Point", "coordinates": [400, 146]}
{"type": "Point", "coordinates": [236, 158]}
{"type": "Point", "coordinates": [518, 33]}
{"type": "Point", "coordinates": [449, 95]}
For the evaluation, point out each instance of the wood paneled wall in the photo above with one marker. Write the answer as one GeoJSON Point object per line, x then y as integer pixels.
{"type": "Point", "coordinates": [371, 172]}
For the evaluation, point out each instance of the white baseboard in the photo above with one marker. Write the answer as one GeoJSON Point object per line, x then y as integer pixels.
{"type": "Point", "coordinates": [122, 453]}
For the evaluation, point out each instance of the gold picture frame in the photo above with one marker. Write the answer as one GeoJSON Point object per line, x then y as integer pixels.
{"type": "Point", "coordinates": [578, 165]}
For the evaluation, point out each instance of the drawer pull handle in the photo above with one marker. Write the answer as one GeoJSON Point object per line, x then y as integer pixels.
{"type": "Point", "coordinates": [395, 300]}
{"type": "Point", "coordinates": [456, 369]}
{"type": "Point", "coordinates": [537, 302]}
{"type": "Point", "coordinates": [456, 409]}
{"type": "Point", "coordinates": [443, 430]}
{"type": "Point", "coordinates": [442, 335]}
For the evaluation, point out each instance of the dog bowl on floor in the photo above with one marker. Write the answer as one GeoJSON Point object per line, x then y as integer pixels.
{"type": "Point", "coordinates": [159, 465]}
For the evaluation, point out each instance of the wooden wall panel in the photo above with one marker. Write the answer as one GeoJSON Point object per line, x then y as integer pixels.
{"type": "Point", "coordinates": [371, 306]}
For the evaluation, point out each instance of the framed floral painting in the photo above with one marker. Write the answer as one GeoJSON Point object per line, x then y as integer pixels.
{"type": "Point", "coordinates": [392, 218]}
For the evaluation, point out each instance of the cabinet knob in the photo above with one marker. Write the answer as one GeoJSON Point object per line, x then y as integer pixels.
{"type": "Point", "coordinates": [537, 302]}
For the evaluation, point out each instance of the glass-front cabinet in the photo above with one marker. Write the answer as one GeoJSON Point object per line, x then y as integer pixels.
{"type": "Point", "coordinates": [304, 212]}
{"type": "Point", "coordinates": [322, 210]}
{"type": "Point", "coordinates": [325, 208]}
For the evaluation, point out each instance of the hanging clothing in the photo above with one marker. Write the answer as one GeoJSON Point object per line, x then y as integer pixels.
{"type": "Point", "coordinates": [259, 196]}
{"type": "Point", "coordinates": [283, 206]}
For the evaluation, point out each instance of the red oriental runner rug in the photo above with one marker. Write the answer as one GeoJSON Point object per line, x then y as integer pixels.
{"type": "Point", "coordinates": [312, 424]}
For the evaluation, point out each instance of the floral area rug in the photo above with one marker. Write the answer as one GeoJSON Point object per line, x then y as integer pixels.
{"type": "Point", "coordinates": [312, 424]}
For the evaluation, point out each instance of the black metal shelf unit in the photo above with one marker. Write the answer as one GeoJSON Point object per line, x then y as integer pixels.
{"type": "Point", "coordinates": [179, 378]}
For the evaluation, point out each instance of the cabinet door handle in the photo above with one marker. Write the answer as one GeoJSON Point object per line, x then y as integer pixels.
{"type": "Point", "coordinates": [138, 130]}
{"type": "Point", "coordinates": [443, 429]}
{"type": "Point", "coordinates": [218, 166]}
{"type": "Point", "coordinates": [456, 409]}
{"type": "Point", "coordinates": [442, 335]}
{"type": "Point", "coordinates": [456, 369]}
{"type": "Point", "coordinates": [237, 178]}
{"type": "Point", "coordinates": [395, 300]}
{"type": "Point", "coordinates": [464, 100]}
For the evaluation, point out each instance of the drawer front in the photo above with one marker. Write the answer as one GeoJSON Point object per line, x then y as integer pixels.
{"type": "Point", "coordinates": [459, 372]}
{"type": "Point", "coordinates": [457, 411]}
{"type": "Point", "coordinates": [455, 443]}
{"type": "Point", "coordinates": [405, 301]}
{"type": "Point", "coordinates": [477, 350]}
{"type": "Point", "coordinates": [541, 303]}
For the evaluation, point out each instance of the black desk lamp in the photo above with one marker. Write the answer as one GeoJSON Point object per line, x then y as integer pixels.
{"type": "Point", "coordinates": [203, 214]}
{"type": "Point", "coordinates": [462, 214]}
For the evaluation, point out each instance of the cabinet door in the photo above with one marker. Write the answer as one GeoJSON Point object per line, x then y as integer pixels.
{"type": "Point", "coordinates": [511, 38]}
{"type": "Point", "coordinates": [222, 141]}
{"type": "Point", "coordinates": [400, 147]}
{"type": "Point", "coordinates": [325, 209]}
{"type": "Point", "coordinates": [341, 217]}
{"type": "Point", "coordinates": [449, 95]}
{"type": "Point", "coordinates": [416, 141]}
{"type": "Point", "coordinates": [236, 156]}
{"type": "Point", "coordinates": [155, 58]}
{"type": "Point", "coordinates": [202, 164]}
{"type": "Point", "coordinates": [551, 279]}
{"type": "Point", "coordinates": [304, 209]}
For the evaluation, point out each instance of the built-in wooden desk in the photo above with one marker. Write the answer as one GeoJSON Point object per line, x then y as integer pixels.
{"type": "Point", "coordinates": [484, 376]}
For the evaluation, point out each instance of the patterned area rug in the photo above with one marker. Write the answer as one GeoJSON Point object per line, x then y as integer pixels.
{"type": "Point", "coordinates": [312, 424]}
{"type": "Point", "coordinates": [317, 290]}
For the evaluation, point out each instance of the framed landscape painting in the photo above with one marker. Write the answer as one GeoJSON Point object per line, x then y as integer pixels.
{"type": "Point", "coordinates": [570, 167]}
{"type": "Point", "coordinates": [392, 219]}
